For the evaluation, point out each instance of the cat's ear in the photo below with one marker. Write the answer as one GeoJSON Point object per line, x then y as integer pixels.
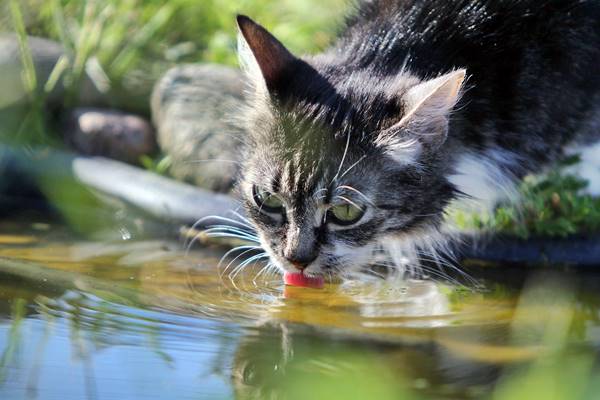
{"type": "Point", "coordinates": [264, 58]}
{"type": "Point", "coordinates": [424, 125]}
{"type": "Point", "coordinates": [435, 97]}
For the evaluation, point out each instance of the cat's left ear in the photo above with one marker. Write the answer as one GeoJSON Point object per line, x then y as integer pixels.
{"type": "Point", "coordinates": [264, 58]}
{"type": "Point", "coordinates": [424, 125]}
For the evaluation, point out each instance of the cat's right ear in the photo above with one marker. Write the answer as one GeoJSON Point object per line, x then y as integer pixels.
{"type": "Point", "coordinates": [424, 126]}
{"type": "Point", "coordinates": [264, 58]}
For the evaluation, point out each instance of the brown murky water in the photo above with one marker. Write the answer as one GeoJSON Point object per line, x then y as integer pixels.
{"type": "Point", "coordinates": [145, 319]}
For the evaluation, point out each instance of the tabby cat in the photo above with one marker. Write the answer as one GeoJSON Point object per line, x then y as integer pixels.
{"type": "Point", "coordinates": [359, 150]}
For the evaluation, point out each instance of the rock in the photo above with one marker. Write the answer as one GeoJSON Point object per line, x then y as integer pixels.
{"type": "Point", "coordinates": [113, 134]}
{"type": "Point", "coordinates": [93, 90]}
{"type": "Point", "coordinates": [194, 108]}
{"type": "Point", "coordinates": [45, 54]}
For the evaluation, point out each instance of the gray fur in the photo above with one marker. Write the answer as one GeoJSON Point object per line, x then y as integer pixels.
{"type": "Point", "coordinates": [383, 120]}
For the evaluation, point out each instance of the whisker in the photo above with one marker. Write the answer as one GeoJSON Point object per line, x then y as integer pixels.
{"type": "Point", "coordinates": [238, 248]}
{"type": "Point", "coordinates": [232, 261]}
{"type": "Point", "coordinates": [352, 166]}
{"type": "Point", "coordinates": [440, 262]}
{"type": "Point", "coordinates": [348, 200]}
{"type": "Point", "coordinates": [356, 191]}
{"type": "Point", "coordinates": [240, 216]}
{"type": "Point", "coordinates": [267, 267]}
{"type": "Point", "coordinates": [231, 236]}
{"type": "Point", "coordinates": [230, 229]}
{"type": "Point", "coordinates": [244, 222]}
{"type": "Point", "coordinates": [343, 159]}
{"type": "Point", "coordinates": [214, 232]}
{"type": "Point", "coordinates": [211, 160]}
{"type": "Point", "coordinates": [438, 273]}
{"type": "Point", "coordinates": [244, 264]}
{"type": "Point", "coordinates": [188, 247]}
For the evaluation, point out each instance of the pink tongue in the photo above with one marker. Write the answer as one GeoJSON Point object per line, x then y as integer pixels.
{"type": "Point", "coordinates": [299, 279]}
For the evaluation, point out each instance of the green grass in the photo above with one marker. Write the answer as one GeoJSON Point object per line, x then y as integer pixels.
{"type": "Point", "coordinates": [137, 40]}
{"type": "Point", "coordinates": [124, 46]}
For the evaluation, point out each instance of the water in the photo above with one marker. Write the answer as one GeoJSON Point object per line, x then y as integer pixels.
{"type": "Point", "coordinates": [145, 320]}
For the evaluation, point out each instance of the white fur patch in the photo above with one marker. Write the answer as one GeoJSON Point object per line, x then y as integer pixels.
{"type": "Point", "coordinates": [405, 152]}
{"type": "Point", "coordinates": [408, 250]}
{"type": "Point", "coordinates": [484, 179]}
{"type": "Point", "coordinates": [589, 166]}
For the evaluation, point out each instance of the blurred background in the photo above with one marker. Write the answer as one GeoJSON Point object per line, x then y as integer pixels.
{"type": "Point", "coordinates": [117, 134]}
{"type": "Point", "coordinates": [77, 78]}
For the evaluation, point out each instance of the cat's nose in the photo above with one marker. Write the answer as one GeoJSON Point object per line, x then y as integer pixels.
{"type": "Point", "coordinates": [301, 263]}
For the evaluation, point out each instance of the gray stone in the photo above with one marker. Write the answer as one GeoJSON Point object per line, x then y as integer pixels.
{"type": "Point", "coordinates": [194, 108]}
{"type": "Point", "coordinates": [113, 134]}
{"type": "Point", "coordinates": [45, 54]}
{"type": "Point", "coordinates": [92, 91]}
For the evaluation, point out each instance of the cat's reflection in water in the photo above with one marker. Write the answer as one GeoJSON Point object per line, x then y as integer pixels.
{"type": "Point", "coordinates": [285, 361]}
{"type": "Point", "coordinates": [288, 358]}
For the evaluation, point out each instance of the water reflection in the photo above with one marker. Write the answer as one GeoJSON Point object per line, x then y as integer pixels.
{"type": "Point", "coordinates": [143, 319]}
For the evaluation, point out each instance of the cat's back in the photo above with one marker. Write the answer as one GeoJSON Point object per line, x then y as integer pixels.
{"type": "Point", "coordinates": [431, 34]}
{"type": "Point", "coordinates": [532, 65]}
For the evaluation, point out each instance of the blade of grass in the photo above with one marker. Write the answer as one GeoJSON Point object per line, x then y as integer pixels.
{"type": "Point", "coordinates": [57, 72]}
{"type": "Point", "coordinates": [127, 56]}
{"type": "Point", "coordinates": [29, 74]}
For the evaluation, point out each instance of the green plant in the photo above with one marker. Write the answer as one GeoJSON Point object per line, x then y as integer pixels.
{"type": "Point", "coordinates": [551, 205]}
{"type": "Point", "coordinates": [159, 165]}
{"type": "Point", "coordinates": [137, 40]}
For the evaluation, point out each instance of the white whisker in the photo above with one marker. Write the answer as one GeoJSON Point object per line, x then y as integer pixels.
{"type": "Point", "coordinates": [352, 166]}
{"type": "Point", "coordinates": [357, 192]}
{"type": "Point", "coordinates": [234, 260]}
{"type": "Point", "coordinates": [211, 160]}
{"type": "Point", "coordinates": [348, 201]}
{"type": "Point", "coordinates": [343, 159]}
{"type": "Point", "coordinates": [246, 249]}
{"type": "Point", "coordinates": [244, 264]}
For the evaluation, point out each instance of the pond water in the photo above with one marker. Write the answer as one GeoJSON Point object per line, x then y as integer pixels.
{"type": "Point", "coordinates": [144, 319]}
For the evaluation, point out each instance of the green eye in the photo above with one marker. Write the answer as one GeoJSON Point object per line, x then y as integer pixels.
{"type": "Point", "coordinates": [345, 214]}
{"type": "Point", "coordinates": [266, 201]}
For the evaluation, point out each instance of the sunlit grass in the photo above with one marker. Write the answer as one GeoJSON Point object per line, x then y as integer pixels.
{"type": "Point", "coordinates": [136, 40]}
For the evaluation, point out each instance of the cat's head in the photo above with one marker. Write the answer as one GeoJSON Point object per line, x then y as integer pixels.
{"type": "Point", "coordinates": [338, 158]}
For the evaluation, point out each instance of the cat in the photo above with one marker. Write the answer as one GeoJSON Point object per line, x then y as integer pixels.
{"type": "Point", "coordinates": [359, 151]}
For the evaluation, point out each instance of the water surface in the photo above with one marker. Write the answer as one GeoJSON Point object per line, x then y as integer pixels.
{"type": "Point", "coordinates": [131, 319]}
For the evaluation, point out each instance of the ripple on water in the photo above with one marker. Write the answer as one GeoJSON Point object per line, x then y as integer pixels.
{"type": "Point", "coordinates": [153, 295]}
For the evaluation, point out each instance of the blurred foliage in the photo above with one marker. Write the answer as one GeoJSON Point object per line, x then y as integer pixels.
{"type": "Point", "coordinates": [134, 39]}
{"type": "Point", "coordinates": [552, 205]}
{"type": "Point", "coordinates": [159, 165]}
{"type": "Point", "coordinates": [123, 46]}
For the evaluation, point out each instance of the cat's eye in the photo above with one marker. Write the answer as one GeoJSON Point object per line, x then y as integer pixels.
{"type": "Point", "coordinates": [267, 201]}
{"type": "Point", "coordinates": [345, 214]}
